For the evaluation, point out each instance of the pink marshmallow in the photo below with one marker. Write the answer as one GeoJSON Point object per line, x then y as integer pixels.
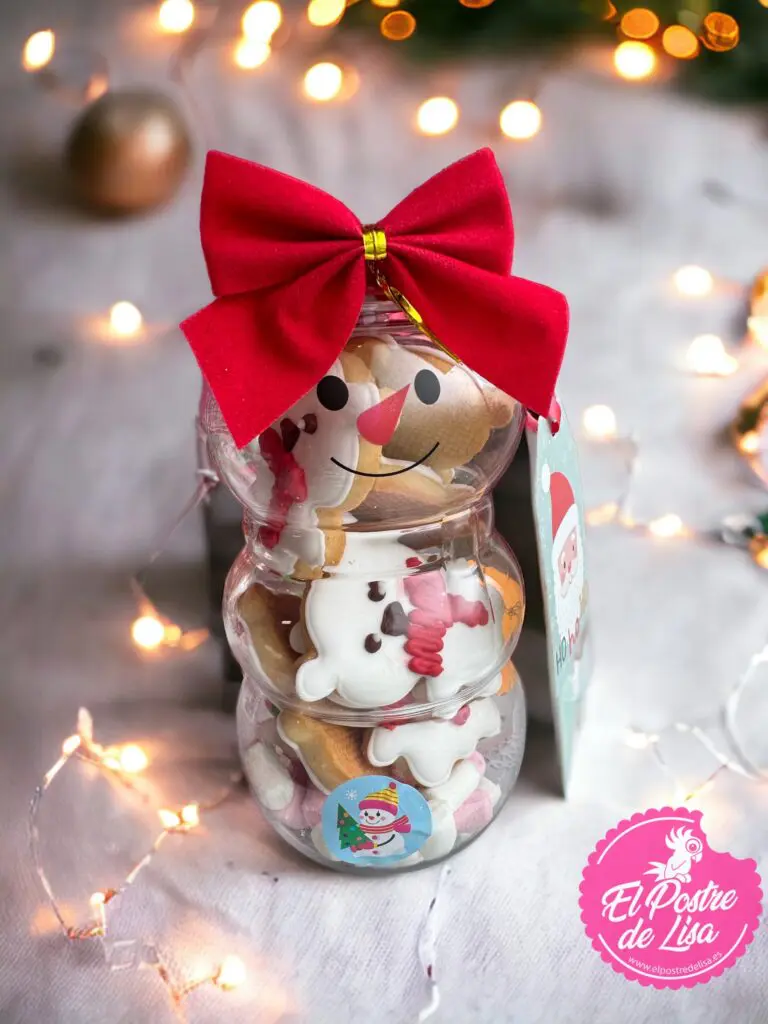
{"type": "Point", "coordinates": [474, 813]}
{"type": "Point", "coordinates": [477, 759]}
{"type": "Point", "coordinates": [313, 806]}
{"type": "Point", "coordinates": [293, 815]}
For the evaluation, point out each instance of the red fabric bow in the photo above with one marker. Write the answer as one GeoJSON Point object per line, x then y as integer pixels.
{"type": "Point", "coordinates": [287, 268]}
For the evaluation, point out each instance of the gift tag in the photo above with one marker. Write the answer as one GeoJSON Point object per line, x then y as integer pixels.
{"type": "Point", "coordinates": [558, 512]}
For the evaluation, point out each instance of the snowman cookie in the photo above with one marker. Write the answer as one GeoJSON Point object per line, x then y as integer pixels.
{"type": "Point", "coordinates": [386, 620]}
{"type": "Point", "coordinates": [313, 466]}
{"type": "Point", "coordinates": [448, 412]}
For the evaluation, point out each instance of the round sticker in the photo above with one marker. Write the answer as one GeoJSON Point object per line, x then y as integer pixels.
{"type": "Point", "coordinates": [375, 821]}
{"type": "Point", "coordinates": [662, 907]}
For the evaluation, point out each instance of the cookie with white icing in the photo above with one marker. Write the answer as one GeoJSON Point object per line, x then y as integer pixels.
{"type": "Point", "coordinates": [386, 620]}
{"type": "Point", "coordinates": [310, 467]}
{"type": "Point", "coordinates": [431, 748]}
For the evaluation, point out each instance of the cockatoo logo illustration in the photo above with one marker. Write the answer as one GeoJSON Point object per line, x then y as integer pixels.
{"type": "Point", "coordinates": [686, 849]}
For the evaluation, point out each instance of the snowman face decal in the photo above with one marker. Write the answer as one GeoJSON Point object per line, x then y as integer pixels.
{"type": "Point", "coordinates": [378, 423]}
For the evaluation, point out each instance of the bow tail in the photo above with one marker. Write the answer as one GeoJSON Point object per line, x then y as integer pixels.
{"type": "Point", "coordinates": [260, 352]}
{"type": "Point", "coordinates": [509, 330]}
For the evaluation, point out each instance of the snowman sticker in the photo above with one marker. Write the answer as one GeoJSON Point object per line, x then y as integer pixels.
{"type": "Point", "coordinates": [376, 827]}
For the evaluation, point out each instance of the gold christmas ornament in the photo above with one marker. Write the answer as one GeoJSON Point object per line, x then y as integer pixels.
{"type": "Point", "coordinates": [719, 32]}
{"type": "Point", "coordinates": [128, 151]}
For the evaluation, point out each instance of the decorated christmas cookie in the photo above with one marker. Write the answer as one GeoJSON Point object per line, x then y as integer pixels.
{"type": "Point", "coordinates": [386, 620]}
{"type": "Point", "coordinates": [331, 754]}
{"type": "Point", "coordinates": [310, 467]}
{"type": "Point", "coordinates": [448, 413]}
{"type": "Point", "coordinates": [433, 747]}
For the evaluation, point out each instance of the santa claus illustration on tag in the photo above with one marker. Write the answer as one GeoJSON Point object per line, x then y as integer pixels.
{"type": "Point", "coordinates": [567, 562]}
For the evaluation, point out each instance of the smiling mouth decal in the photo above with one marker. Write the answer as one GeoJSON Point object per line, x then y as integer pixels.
{"type": "Point", "coordinates": [395, 472]}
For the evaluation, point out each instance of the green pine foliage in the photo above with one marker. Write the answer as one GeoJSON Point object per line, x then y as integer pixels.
{"type": "Point", "coordinates": [349, 832]}
{"type": "Point", "coordinates": [446, 30]}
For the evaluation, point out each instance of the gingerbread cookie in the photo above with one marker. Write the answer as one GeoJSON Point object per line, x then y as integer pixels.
{"type": "Point", "coordinates": [448, 412]}
{"type": "Point", "coordinates": [271, 619]}
{"type": "Point", "coordinates": [331, 754]}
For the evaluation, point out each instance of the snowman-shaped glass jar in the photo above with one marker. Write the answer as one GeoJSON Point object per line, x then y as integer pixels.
{"type": "Point", "coordinates": [373, 609]}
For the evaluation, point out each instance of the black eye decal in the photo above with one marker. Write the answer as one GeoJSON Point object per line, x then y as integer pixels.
{"type": "Point", "coordinates": [427, 386]}
{"type": "Point", "coordinates": [332, 393]}
{"type": "Point", "coordinates": [372, 643]}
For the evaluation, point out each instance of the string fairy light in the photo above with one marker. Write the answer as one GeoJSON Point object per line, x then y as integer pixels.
{"type": "Point", "coordinates": [250, 54]}
{"type": "Point", "coordinates": [120, 762]}
{"type": "Point", "coordinates": [261, 20]}
{"type": "Point", "coordinates": [323, 81]}
{"type": "Point", "coordinates": [639, 23]}
{"type": "Point", "coordinates": [599, 422]}
{"type": "Point", "coordinates": [175, 16]}
{"type": "Point", "coordinates": [720, 32]}
{"type": "Point", "coordinates": [681, 42]}
{"type": "Point", "coordinates": [38, 50]}
{"type": "Point", "coordinates": [125, 319]}
{"type": "Point", "coordinates": [437, 115]}
{"type": "Point", "coordinates": [707, 356]}
{"type": "Point", "coordinates": [324, 13]}
{"type": "Point", "coordinates": [634, 60]}
{"type": "Point", "coordinates": [520, 120]}
{"type": "Point", "coordinates": [398, 25]}
{"type": "Point", "coordinates": [693, 281]}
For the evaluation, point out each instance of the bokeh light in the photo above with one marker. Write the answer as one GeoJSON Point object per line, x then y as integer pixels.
{"type": "Point", "coordinates": [132, 759]}
{"type": "Point", "coordinates": [634, 60]}
{"type": "Point", "coordinates": [38, 50]}
{"type": "Point", "coordinates": [437, 115]}
{"type": "Point", "coordinates": [385, 3]}
{"type": "Point", "coordinates": [667, 526]}
{"type": "Point", "coordinates": [520, 119]}
{"type": "Point", "coordinates": [262, 19]}
{"type": "Point", "coordinates": [323, 13]}
{"type": "Point", "coordinates": [475, 3]}
{"type": "Point", "coordinates": [719, 32]}
{"type": "Point", "coordinates": [148, 632]}
{"type": "Point", "coordinates": [251, 53]}
{"type": "Point", "coordinates": [323, 82]}
{"type": "Point", "coordinates": [125, 319]}
{"type": "Point", "coordinates": [707, 356]}
{"type": "Point", "coordinates": [398, 25]}
{"type": "Point", "coordinates": [693, 281]}
{"type": "Point", "coordinates": [231, 973]}
{"type": "Point", "coordinates": [679, 41]}
{"type": "Point", "coordinates": [175, 15]}
{"type": "Point", "coordinates": [599, 422]}
{"type": "Point", "coordinates": [640, 23]}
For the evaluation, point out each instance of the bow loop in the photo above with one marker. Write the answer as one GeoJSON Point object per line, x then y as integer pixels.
{"type": "Point", "coordinates": [287, 264]}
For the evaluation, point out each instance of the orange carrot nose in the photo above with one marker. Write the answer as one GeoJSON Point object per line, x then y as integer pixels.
{"type": "Point", "coordinates": [378, 423]}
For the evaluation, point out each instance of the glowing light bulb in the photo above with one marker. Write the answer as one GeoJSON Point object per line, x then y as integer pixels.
{"type": "Point", "coordinates": [749, 443]}
{"type": "Point", "coordinates": [125, 319]}
{"type": "Point", "coordinates": [148, 632]}
{"type": "Point", "coordinates": [190, 815]}
{"type": "Point", "coordinates": [231, 973]}
{"type": "Point", "coordinates": [322, 13]}
{"type": "Point", "coordinates": [175, 15]}
{"type": "Point", "coordinates": [168, 819]}
{"type": "Point", "coordinates": [667, 526]}
{"type": "Point", "coordinates": [693, 281]}
{"type": "Point", "coordinates": [252, 53]}
{"type": "Point", "coordinates": [760, 554]}
{"type": "Point", "coordinates": [132, 759]}
{"type": "Point", "coordinates": [520, 119]}
{"type": "Point", "coordinates": [603, 514]}
{"type": "Point", "coordinates": [639, 23]}
{"type": "Point", "coordinates": [437, 115]}
{"type": "Point", "coordinates": [323, 82]}
{"type": "Point", "coordinates": [599, 422]}
{"type": "Point", "coordinates": [70, 745]}
{"type": "Point", "coordinates": [38, 50]}
{"type": "Point", "coordinates": [634, 61]}
{"type": "Point", "coordinates": [707, 356]}
{"type": "Point", "coordinates": [385, 3]}
{"type": "Point", "coordinates": [757, 326]}
{"type": "Point", "coordinates": [262, 20]}
{"type": "Point", "coordinates": [98, 899]}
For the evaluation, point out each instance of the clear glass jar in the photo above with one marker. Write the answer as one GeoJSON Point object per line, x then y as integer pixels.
{"type": "Point", "coordinates": [373, 609]}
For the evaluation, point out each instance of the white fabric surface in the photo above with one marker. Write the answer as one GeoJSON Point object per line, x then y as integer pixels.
{"type": "Point", "coordinates": [97, 456]}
